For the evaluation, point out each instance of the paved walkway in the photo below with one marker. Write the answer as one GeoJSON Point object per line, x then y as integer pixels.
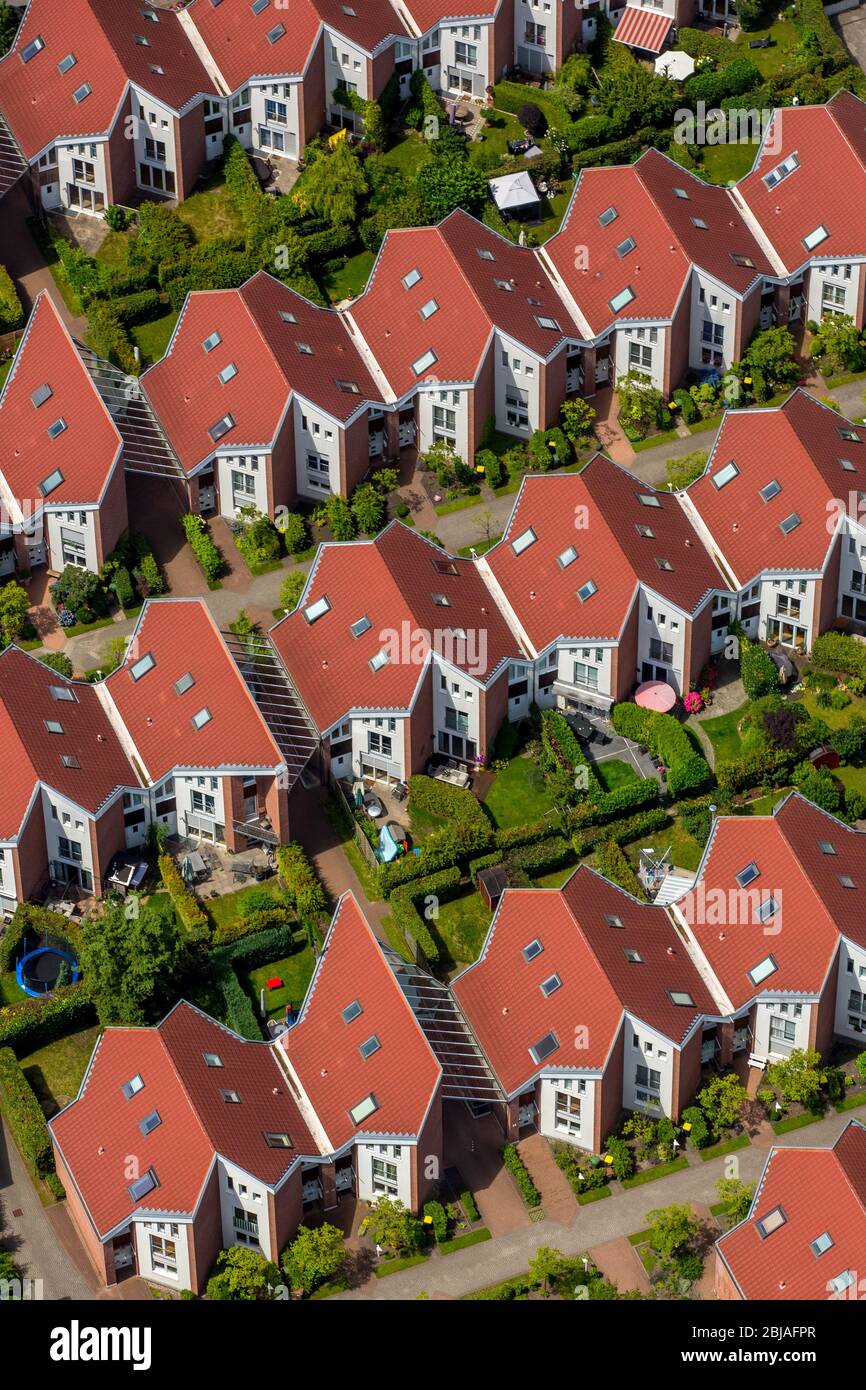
{"type": "Point", "coordinates": [315, 832]}
{"type": "Point", "coordinates": [40, 1239]}
{"type": "Point", "coordinates": [557, 1197]}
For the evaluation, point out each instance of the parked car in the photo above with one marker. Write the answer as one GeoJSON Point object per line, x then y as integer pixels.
{"type": "Point", "coordinates": [373, 806]}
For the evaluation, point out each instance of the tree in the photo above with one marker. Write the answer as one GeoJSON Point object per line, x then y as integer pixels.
{"type": "Point", "coordinates": [294, 529]}
{"type": "Point", "coordinates": [533, 119]}
{"type": "Point", "coordinates": [14, 605]}
{"type": "Point", "coordinates": [390, 1225]}
{"type": "Point", "coordinates": [798, 1077]}
{"type": "Point", "coordinates": [671, 1229]}
{"type": "Point", "coordinates": [578, 419]}
{"type": "Point", "coordinates": [722, 1100]}
{"type": "Point", "coordinates": [446, 184]}
{"type": "Point", "coordinates": [340, 518]}
{"type": "Point", "coordinates": [769, 359]}
{"type": "Point", "coordinates": [313, 1257]}
{"type": "Point", "coordinates": [640, 403]}
{"type": "Point", "coordinates": [758, 671]}
{"type": "Point", "coordinates": [79, 590]}
{"type": "Point", "coordinates": [333, 186]}
{"type": "Point", "coordinates": [840, 341]}
{"type": "Point", "coordinates": [368, 508]}
{"type": "Point", "coordinates": [634, 97]}
{"type": "Point", "coordinates": [133, 956]}
{"type": "Point", "coordinates": [8, 27]}
{"type": "Point", "coordinates": [11, 309]}
{"type": "Point", "coordinates": [737, 1197]}
{"type": "Point", "coordinates": [386, 480]}
{"type": "Point", "coordinates": [58, 661]}
{"type": "Point", "coordinates": [487, 524]}
{"type": "Point", "coordinates": [245, 1275]}
{"type": "Point", "coordinates": [291, 588]}
{"type": "Point", "coordinates": [682, 472]}
{"type": "Point", "coordinates": [547, 1264]}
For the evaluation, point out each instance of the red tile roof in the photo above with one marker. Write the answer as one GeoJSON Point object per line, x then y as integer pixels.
{"type": "Point", "coordinates": [100, 1128]}
{"type": "Point", "coordinates": [828, 188]}
{"type": "Point", "coordinates": [799, 446]}
{"type": "Point", "coordinates": [402, 1074]}
{"type": "Point", "coordinates": [370, 23]}
{"type": "Point", "coordinates": [821, 1191]}
{"type": "Point", "coordinates": [501, 995]}
{"type": "Point", "coordinates": [597, 512]}
{"type": "Point", "coordinates": [188, 396]}
{"type": "Point", "coordinates": [644, 29]}
{"type": "Point", "coordinates": [33, 755]}
{"type": "Point", "coordinates": [237, 39]}
{"type": "Point", "coordinates": [183, 638]}
{"type": "Point", "coordinates": [428, 13]}
{"type": "Point", "coordinates": [86, 451]}
{"type": "Point", "coordinates": [390, 580]}
{"type": "Point", "coordinates": [814, 908]}
{"type": "Point", "coordinates": [470, 303]}
{"type": "Point", "coordinates": [37, 100]}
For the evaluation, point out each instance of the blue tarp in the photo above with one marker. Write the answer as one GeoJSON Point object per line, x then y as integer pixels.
{"type": "Point", "coordinates": [388, 847]}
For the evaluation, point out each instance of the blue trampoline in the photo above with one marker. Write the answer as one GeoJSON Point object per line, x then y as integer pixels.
{"type": "Point", "coordinates": [37, 971]}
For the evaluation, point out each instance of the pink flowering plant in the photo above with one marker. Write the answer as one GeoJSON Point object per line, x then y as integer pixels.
{"type": "Point", "coordinates": [693, 703]}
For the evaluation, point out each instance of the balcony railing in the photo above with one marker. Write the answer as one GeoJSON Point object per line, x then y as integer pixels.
{"type": "Point", "coordinates": [250, 1228]}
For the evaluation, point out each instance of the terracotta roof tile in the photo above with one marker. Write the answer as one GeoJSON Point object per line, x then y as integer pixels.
{"type": "Point", "coordinates": [367, 23]}
{"type": "Point", "coordinates": [237, 39]}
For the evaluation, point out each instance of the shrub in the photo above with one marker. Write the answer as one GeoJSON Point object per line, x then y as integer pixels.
{"type": "Point", "coordinates": [541, 858]}
{"type": "Point", "coordinates": [441, 799]}
{"type": "Point", "coordinates": [340, 518]}
{"type": "Point", "coordinates": [836, 651]}
{"type": "Point", "coordinates": [612, 863]}
{"type": "Point", "coordinates": [206, 553]}
{"type": "Point", "coordinates": [122, 586]}
{"type": "Point", "coordinates": [108, 337]}
{"type": "Point", "coordinates": [11, 310]}
{"type": "Point", "coordinates": [148, 576]}
{"type": "Point", "coordinates": [26, 1027]}
{"type": "Point", "coordinates": [687, 770]}
{"type": "Point", "coordinates": [759, 673]}
{"type": "Point", "coordinates": [610, 805]}
{"type": "Point", "coordinates": [186, 904]}
{"type": "Point", "coordinates": [439, 1220]}
{"type": "Point", "coordinates": [528, 834]}
{"type": "Point", "coordinates": [259, 541]}
{"type": "Point", "coordinates": [620, 832]}
{"type": "Point", "coordinates": [623, 1157]}
{"type": "Point", "coordinates": [301, 883]}
{"type": "Point", "coordinates": [467, 1202]}
{"type": "Point", "coordinates": [506, 742]}
{"type": "Point", "coordinates": [58, 661]}
{"type": "Point", "coordinates": [406, 904]}
{"type": "Point", "coordinates": [23, 1114]}
{"type": "Point", "coordinates": [517, 1168]}
{"type": "Point", "coordinates": [861, 1066]}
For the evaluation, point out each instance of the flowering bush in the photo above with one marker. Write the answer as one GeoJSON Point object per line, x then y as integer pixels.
{"type": "Point", "coordinates": [693, 702]}
{"type": "Point", "coordinates": [66, 617]}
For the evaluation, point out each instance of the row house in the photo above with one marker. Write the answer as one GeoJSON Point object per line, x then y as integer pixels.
{"type": "Point", "coordinates": [775, 924]}
{"type": "Point", "coordinates": [174, 737]}
{"type": "Point", "coordinates": [805, 1232]}
{"type": "Point", "coordinates": [607, 584]}
{"type": "Point", "coordinates": [62, 485]}
{"type": "Point", "coordinates": [779, 506]}
{"type": "Point", "coordinates": [398, 653]}
{"type": "Point", "coordinates": [237, 1143]}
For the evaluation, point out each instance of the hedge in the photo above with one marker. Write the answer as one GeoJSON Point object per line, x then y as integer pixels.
{"type": "Point", "coordinates": [522, 834]}
{"type": "Point", "coordinates": [11, 312]}
{"type": "Point", "coordinates": [36, 1023]}
{"type": "Point", "coordinates": [834, 651]}
{"type": "Point", "coordinates": [486, 861]}
{"type": "Point", "coordinates": [301, 883]}
{"type": "Point", "coordinates": [247, 954]}
{"type": "Point", "coordinates": [687, 770]}
{"type": "Point", "coordinates": [198, 535]}
{"type": "Point", "coordinates": [612, 804]}
{"type": "Point", "coordinates": [242, 186]}
{"type": "Point", "coordinates": [453, 845]}
{"type": "Point", "coordinates": [611, 862]}
{"type": "Point", "coordinates": [137, 307]}
{"type": "Point", "coordinates": [23, 1114]}
{"type": "Point", "coordinates": [561, 749]}
{"type": "Point", "coordinates": [619, 151]}
{"type": "Point", "coordinates": [758, 671]}
{"type": "Point", "coordinates": [186, 904]}
{"type": "Point", "coordinates": [252, 924]}
{"type": "Point", "coordinates": [620, 832]}
{"type": "Point", "coordinates": [756, 769]}
{"type": "Point", "coordinates": [541, 858]}
{"type": "Point", "coordinates": [441, 799]}
{"type": "Point", "coordinates": [108, 337]}
{"type": "Point", "coordinates": [405, 907]}
{"type": "Point", "coordinates": [520, 1173]}
{"type": "Point", "coordinates": [30, 918]}
{"type": "Point", "coordinates": [238, 1013]}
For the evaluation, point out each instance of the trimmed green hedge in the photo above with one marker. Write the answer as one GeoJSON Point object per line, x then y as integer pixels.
{"type": "Point", "coordinates": [771, 765]}
{"type": "Point", "coordinates": [11, 311]}
{"type": "Point", "coordinates": [30, 918]}
{"type": "Point", "coordinates": [23, 1114]}
{"type": "Point", "coordinates": [186, 904]}
{"type": "Point", "coordinates": [620, 832]}
{"type": "Point", "coordinates": [611, 862]}
{"type": "Point", "coordinates": [209, 558]}
{"type": "Point", "coordinates": [406, 902]}
{"type": "Point", "coordinates": [441, 799]}
{"type": "Point", "coordinates": [541, 858]}
{"type": "Point", "coordinates": [522, 834]}
{"type": "Point", "coordinates": [486, 861]}
{"type": "Point", "coordinates": [835, 651]}
{"type": "Point", "coordinates": [453, 845]}
{"type": "Point", "coordinates": [253, 923]}
{"type": "Point", "coordinates": [301, 882]}
{"type": "Point", "coordinates": [520, 1173]}
{"type": "Point", "coordinates": [26, 1027]}
{"type": "Point", "coordinates": [611, 805]}
{"type": "Point", "coordinates": [687, 770]}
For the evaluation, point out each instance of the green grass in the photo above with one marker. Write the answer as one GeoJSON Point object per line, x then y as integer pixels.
{"type": "Point", "coordinates": [685, 851]}
{"type": "Point", "coordinates": [10, 993]}
{"type": "Point", "coordinates": [852, 778]}
{"type": "Point", "coordinates": [448, 1247]}
{"type": "Point", "coordinates": [396, 939]}
{"type": "Point", "coordinates": [113, 250]}
{"type": "Point", "coordinates": [594, 1194]}
{"type": "Point", "coordinates": [762, 805]}
{"type": "Point", "coordinates": [835, 718]}
{"type": "Point", "coordinates": [661, 437]}
{"type": "Point", "coordinates": [480, 547]}
{"type": "Point", "coordinates": [461, 927]}
{"type": "Point", "coordinates": [52, 260]}
{"type": "Point", "coordinates": [613, 772]}
{"type": "Point", "coordinates": [553, 211]}
{"type": "Point", "coordinates": [768, 61]}
{"type": "Point", "coordinates": [795, 1122]}
{"type": "Point", "coordinates": [722, 733]}
{"type": "Point", "coordinates": [460, 504]}
{"type": "Point", "coordinates": [328, 1290]}
{"type": "Point", "coordinates": [406, 155]}
{"type": "Point", "coordinates": [727, 163]}
{"type": "Point", "coordinates": [640, 1237]}
{"type": "Point", "coordinates": [518, 794]}
{"type": "Point", "coordinates": [661, 1170]}
{"type": "Point", "coordinates": [394, 1266]}
{"type": "Point", "coordinates": [5, 369]}
{"type": "Point", "coordinates": [77, 628]}
{"type": "Point", "coordinates": [295, 971]}
{"type": "Point", "coordinates": [349, 280]}
{"type": "Point", "coordinates": [555, 879]}
{"type": "Point", "coordinates": [209, 212]}
{"type": "Point", "coordinates": [496, 136]}
{"type": "Point", "coordinates": [226, 909]}
{"type": "Point", "coordinates": [511, 96]}
{"type": "Point", "coordinates": [850, 1102]}
{"type": "Point", "coordinates": [55, 1072]}
{"type": "Point", "coordinates": [727, 1146]}
{"type": "Point", "coordinates": [152, 338]}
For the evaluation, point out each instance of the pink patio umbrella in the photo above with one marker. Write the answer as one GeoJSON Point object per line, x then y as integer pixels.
{"type": "Point", "coordinates": [657, 695]}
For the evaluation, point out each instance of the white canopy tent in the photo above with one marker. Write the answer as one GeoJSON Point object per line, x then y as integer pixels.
{"type": "Point", "coordinates": [515, 195]}
{"type": "Point", "coordinates": [675, 64]}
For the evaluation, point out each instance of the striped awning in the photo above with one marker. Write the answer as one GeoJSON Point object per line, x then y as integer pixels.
{"type": "Point", "coordinates": [644, 29]}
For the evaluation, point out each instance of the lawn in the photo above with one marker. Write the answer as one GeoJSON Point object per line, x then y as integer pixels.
{"type": "Point", "coordinates": [835, 718]}
{"type": "Point", "coordinates": [209, 212]}
{"type": "Point", "coordinates": [495, 137]}
{"type": "Point", "coordinates": [727, 163]}
{"type": "Point", "coordinates": [152, 338]}
{"type": "Point", "coordinates": [553, 210]}
{"type": "Point", "coordinates": [555, 879]}
{"type": "Point", "coordinates": [10, 993]}
{"type": "Point", "coordinates": [511, 96]}
{"type": "Point", "coordinates": [113, 249]}
{"type": "Point", "coordinates": [405, 156]}
{"type": "Point", "coordinates": [52, 260]}
{"type": "Point", "coordinates": [55, 1072]}
{"type": "Point", "coordinates": [227, 909]}
{"type": "Point", "coordinates": [613, 773]}
{"type": "Point", "coordinates": [685, 852]}
{"type": "Point", "coordinates": [295, 971]}
{"type": "Point", "coordinates": [349, 280]}
{"type": "Point", "coordinates": [762, 805]}
{"type": "Point", "coordinates": [5, 369]}
{"type": "Point", "coordinates": [518, 794]}
{"type": "Point", "coordinates": [768, 61]}
{"type": "Point", "coordinates": [852, 778]}
{"type": "Point", "coordinates": [722, 733]}
{"type": "Point", "coordinates": [461, 927]}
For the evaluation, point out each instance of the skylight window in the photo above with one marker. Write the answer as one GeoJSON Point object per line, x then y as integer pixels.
{"type": "Point", "coordinates": [544, 322]}
{"type": "Point", "coordinates": [842, 1281]}
{"type": "Point", "coordinates": [700, 224]}
{"type": "Point", "coordinates": [368, 1047]}
{"type": "Point", "coordinates": [203, 717]}
{"type": "Point", "coordinates": [587, 590]}
{"type": "Point", "coordinates": [681, 997]}
{"type": "Point", "coordinates": [648, 499]}
{"type": "Point", "coordinates": [53, 726]}
{"type": "Point", "coordinates": [626, 246]}
{"type": "Point", "coordinates": [212, 1059]}
{"type": "Point", "coordinates": [221, 427]}
{"type": "Point", "coordinates": [825, 847]}
{"type": "Point", "coordinates": [133, 1086]}
{"type": "Point", "coordinates": [140, 1188]}
{"type": "Point", "coordinates": [185, 683]}
{"type": "Point", "coordinates": [441, 600]}
{"type": "Point", "coordinates": [351, 1011]}
{"type": "Point", "coordinates": [851, 435]}
{"type": "Point", "coordinates": [276, 33]}
{"type": "Point", "coordinates": [767, 909]}
{"type": "Point", "coordinates": [230, 1097]}
{"type": "Point", "coordinates": [620, 300]}
{"type": "Point", "coordinates": [846, 881]}
{"type": "Point", "coordinates": [287, 316]}
{"type": "Point", "coordinates": [646, 532]}
{"type": "Point", "coordinates": [566, 558]}
{"type": "Point", "coordinates": [485, 254]}
{"type": "Point", "coordinates": [609, 215]}
{"type": "Point", "coordinates": [81, 92]}
{"type": "Point", "coordinates": [781, 171]}
{"type": "Point", "coordinates": [379, 660]}
{"type": "Point", "coordinates": [360, 626]}
{"type": "Point", "coordinates": [141, 40]}
{"type": "Point", "coordinates": [533, 949]}
{"type": "Point", "coordinates": [444, 567]}
{"type": "Point", "coordinates": [821, 1244]}
{"type": "Point", "coordinates": [305, 349]}
{"type": "Point", "coordinates": [770, 490]}
{"type": "Point", "coordinates": [763, 970]}
{"type": "Point", "coordinates": [634, 957]}
{"type": "Point", "coordinates": [771, 1222]}
{"type": "Point", "coordinates": [523, 541]}
{"type": "Point", "coordinates": [32, 48]}
{"type": "Point", "coordinates": [429, 309]}
{"type": "Point", "coordinates": [258, 5]}
{"type": "Point", "coordinates": [276, 1140]}
{"type": "Point", "coordinates": [349, 388]}
{"type": "Point", "coordinates": [150, 1122]}
{"type": "Point", "coordinates": [412, 278]}
{"type": "Point", "coordinates": [155, 67]}
{"type": "Point", "coordinates": [142, 666]}
{"type": "Point", "coordinates": [51, 483]}
{"type": "Point", "coordinates": [745, 261]}
{"type": "Point", "coordinates": [748, 875]}
{"type": "Point", "coordinates": [848, 466]}
{"type": "Point", "coordinates": [664, 564]}
{"type": "Point", "coordinates": [613, 920]}
{"type": "Point", "coordinates": [789, 524]}
{"type": "Point", "coordinates": [364, 1109]}
{"type": "Point", "coordinates": [541, 1050]}
{"type": "Point", "coordinates": [504, 285]}
{"type": "Point", "coordinates": [317, 610]}
{"type": "Point", "coordinates": [62, 692]}
{"type": "Point", "coordinates": [427, 359]}
{"type": "Point", "coordinates": [815, 238]}
{"type": "Point", "coordinates": [550, 985]}
{"type": "Point", "coordinates": [681, 193]}
{"type": "Point", "coordinates": [41, 395]}
{"type": "Point", "coordinates": [70, 760]}
{"type": "Point", "coordinates": [56, 427]}
{"type": "Point", "coordinates": [228, 372]}
{"type": "Point", "coordinates": [211, 341]}
{"type": "Point", "coordinates": [66, 63]}
{"type": "Point", "coordinates": [725, 475]}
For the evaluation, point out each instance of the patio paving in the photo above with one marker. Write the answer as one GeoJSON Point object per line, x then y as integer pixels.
{"type": "Point", "coordinates": [473, 1146]}
{"type": "Point", "coordinates": [557, 1198]}
{"type": "Point", "coordinates": [619, 1262]}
